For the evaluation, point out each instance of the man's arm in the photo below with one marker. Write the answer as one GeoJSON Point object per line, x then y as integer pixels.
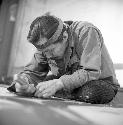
{"type": "Point", "coordinates": [32, 74]}
{"type": "Point", "coordinates": [90, 60]}
{"type": "Point", "coordinates": [37, 69]}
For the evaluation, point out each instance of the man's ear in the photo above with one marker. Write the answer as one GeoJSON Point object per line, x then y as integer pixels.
{"type": "Point", "coordinates": [65, 36]}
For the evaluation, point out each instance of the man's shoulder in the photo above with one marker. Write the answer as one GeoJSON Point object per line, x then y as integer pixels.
{"type": "Point", "coordinates": [81, 24]}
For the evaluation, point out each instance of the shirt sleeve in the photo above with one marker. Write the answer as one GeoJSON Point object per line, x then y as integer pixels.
{"type": "Point", "coordinates": [90, 60]}
{"type": "Point", "coordinates": [37, 69]}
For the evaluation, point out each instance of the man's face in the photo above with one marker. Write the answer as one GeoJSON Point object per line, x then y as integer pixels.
{"type": "Point", "coordinates": [55, 50]}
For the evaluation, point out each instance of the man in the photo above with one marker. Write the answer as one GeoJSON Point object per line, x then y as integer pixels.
{"type": "Point", "coordinates": [76, 55]}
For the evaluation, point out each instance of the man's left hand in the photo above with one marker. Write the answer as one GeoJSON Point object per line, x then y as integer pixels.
{"type": "Point", "coordinates": [48, 88]}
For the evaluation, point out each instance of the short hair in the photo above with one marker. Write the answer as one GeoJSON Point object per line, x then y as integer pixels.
{"type": "Point", "coordinates": [43, 26]}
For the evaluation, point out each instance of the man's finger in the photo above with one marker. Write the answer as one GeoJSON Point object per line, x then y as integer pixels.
{"type": "Point", "coordinates": [38, 86]}
{"type": "Point", "coordinates": [44, 95]}
{"type": "Point", "coordinates": [39, 90]}
{"type": "Point", "coordinates": [20, 88]}
{"type": "Point", "coordinates": [39, 95]}
{"type": "Point", "coordinates": [31, 88]}
{"type": "Point", "coordinates": [21, 81]}
{"type": "Point", "coordinates": [41, 84]}
{"type": "Point", "coordinates": [48, 92]}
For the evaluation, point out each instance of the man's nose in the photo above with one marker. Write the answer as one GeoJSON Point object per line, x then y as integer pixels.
{"type": "Point", "coordinates": [48, 54]}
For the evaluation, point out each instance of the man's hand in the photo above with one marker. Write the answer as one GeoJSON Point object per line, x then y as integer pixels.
{"type": "Point", "coordinates": [22, 85]}
{"type": "Point", "coordinates": [48, 88]}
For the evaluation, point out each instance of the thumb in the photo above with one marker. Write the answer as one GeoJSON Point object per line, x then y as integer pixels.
{"type": "Point", "coordinates": [20, 88]}
{"type": "Point", "coordinates": [31, 88]}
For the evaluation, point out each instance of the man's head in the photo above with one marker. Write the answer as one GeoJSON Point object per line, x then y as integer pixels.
{"type": "Point", "coordinates": [49, 33]}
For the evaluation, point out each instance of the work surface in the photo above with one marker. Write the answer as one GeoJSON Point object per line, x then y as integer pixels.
{"type": "Point", "coordinates": [18, 110]}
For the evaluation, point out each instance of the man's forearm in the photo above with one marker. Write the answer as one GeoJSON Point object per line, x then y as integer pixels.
{"type": "Point", "coordinates": [78, 78]}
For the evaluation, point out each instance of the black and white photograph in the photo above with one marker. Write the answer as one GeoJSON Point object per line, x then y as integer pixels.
{"type": "Point", "coordinates": [61, 62]}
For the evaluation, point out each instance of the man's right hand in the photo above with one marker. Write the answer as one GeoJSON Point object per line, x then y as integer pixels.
{"type": "Point", "coordinates": [22, 85]}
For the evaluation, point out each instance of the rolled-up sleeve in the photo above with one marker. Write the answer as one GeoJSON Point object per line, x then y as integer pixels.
{"type": "Point", "coordinates": [37, 69]}
{"type": "Point", "coordinates": [90, 61]}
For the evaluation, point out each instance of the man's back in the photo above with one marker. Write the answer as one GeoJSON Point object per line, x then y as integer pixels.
{"type": "Point", "coordinates": [81, 30]}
